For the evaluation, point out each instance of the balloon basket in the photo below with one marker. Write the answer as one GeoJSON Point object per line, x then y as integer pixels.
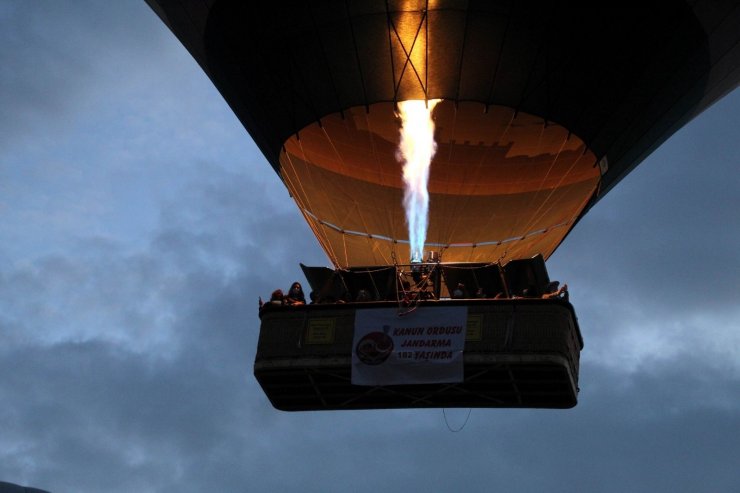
{"type": "Point", "coordinates": [518, 353]}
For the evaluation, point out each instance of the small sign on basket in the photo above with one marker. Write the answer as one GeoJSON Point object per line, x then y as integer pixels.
{"type": "Point", "coordinates": [320, 331]}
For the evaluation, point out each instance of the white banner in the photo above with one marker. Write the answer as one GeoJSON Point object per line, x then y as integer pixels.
{"type": "Point", "coordinates": [424, 346]}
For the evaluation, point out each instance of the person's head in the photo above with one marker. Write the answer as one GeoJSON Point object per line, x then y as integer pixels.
{"type": "Point", "coordinates": [530, 292]}
{"type": "Point", "coordinates": [277, 295]}
{"type": "Point", "coordinates": [296, 287]}
{"type": "Point", "coordinates": [363, 295]}
{"type": "Point", "coordinates": [552, 287]}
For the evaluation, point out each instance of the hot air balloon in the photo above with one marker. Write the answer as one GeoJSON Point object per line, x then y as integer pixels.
{"type": "Point", "coordinates": [543, 109]}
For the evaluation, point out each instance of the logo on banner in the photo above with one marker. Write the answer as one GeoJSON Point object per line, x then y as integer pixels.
{"type": "Point", "coordinates": [375, 347]}
{"type": "Point", "coordinates": [425, 346]}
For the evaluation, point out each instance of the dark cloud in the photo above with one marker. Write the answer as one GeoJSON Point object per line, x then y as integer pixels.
{"type": "Point", "coordinates": [54, 55]}
{"type": "Point", "coordinates": [653, 267]}
{"type": "Point", "coordinates": [107, 415]}
{"type": "Point", "coordinates": [667, 230]}
{"type": "Point", "coordinates": [119, 385]}
{"type": "Point", "coordinates": [198, 423]}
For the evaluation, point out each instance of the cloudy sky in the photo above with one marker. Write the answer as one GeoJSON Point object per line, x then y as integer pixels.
{"type": "Point", "coordinates": [140, 224]}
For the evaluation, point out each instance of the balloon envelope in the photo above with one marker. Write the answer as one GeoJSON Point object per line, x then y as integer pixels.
{"type": "Point", "coordinates": [545, 107]}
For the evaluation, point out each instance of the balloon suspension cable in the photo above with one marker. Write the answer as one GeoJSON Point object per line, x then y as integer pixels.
{"type": "Point", "coordinates": [502, 257]}
{"type": "Point", "coordinates": [457, 430]}
{"type": "Point", "coordinates": [341, 278]}
{"type": "Point", "coordinates": [442, 251]}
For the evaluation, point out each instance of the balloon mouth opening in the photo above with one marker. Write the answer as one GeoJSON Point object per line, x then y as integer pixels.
{"type": "Point", "coordinates": [488, 168]}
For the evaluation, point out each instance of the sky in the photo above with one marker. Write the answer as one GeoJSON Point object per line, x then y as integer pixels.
{"type": "Point", "coordinates": [140, 224]}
